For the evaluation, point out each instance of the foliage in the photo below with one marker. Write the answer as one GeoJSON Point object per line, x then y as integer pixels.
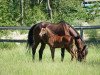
{"type": "Point", "coordinates": [8, 13]}
{"type": "Point", "coordinates": [36, 15]}
{"type": "Point", "coordinates": [34, 11]}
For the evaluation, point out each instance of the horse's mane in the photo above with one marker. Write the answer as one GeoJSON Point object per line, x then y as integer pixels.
{"type": "Point", "coordinates": [75, 30]}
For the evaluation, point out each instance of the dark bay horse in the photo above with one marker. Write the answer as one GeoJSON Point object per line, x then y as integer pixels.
{"type": "Point", "coordinates": [62, 28]}
{"type": "Point", "coordinates": [55, 41]}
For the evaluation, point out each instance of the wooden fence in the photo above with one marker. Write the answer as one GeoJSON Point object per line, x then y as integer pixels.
{"type": "Point", "coordinates": [81, 28]}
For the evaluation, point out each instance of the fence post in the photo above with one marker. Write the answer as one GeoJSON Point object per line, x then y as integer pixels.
{"type": "Point", "coordinates": [81, 32]}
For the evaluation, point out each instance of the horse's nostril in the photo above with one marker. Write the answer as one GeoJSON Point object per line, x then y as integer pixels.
{"type": "Point", "coordinates": [43, 34]}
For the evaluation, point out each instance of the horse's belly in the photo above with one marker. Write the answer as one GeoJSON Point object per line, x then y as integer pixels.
{"type": "Point", "coordinates": [58, 45]}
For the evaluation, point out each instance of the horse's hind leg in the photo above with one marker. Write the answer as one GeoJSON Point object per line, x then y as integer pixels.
{"type": "Point", "coordinates": [41, 50]}
{"type": "Point", "coordinates": [34, 50]}
{"type": "Point", "coordinates": [62, 53]}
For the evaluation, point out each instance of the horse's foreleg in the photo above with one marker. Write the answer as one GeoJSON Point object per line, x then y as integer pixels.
{"type": "Point", "coordinates": [41, 51]}
{"type": "Point", "coordinates": [72, 56]}
{"type": "Point", "coordinates": [62, 53]}
{"type": "Point", "coordinates": [34, 50]}
{"type": "Point", "coordinates": [52, 53]}
{"type": "Point", "coordinates": [71, 51]}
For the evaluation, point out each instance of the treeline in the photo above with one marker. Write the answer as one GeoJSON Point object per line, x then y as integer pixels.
{"type": "Point", "coordinates": [26, 12]}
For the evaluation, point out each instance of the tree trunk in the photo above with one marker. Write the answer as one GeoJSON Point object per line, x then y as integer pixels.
{"type": "Point", "coordinates": [49, 9]}
{"type": "Point", "coordinates": [38, 1]}
{"type": "Point", "coordinates": [21, 12]}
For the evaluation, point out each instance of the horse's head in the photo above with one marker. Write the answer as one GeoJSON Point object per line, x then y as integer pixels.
{"type": "Point", "coordinates": [43, 32]}
{"type": "Point", "coordinates": [82, 54]}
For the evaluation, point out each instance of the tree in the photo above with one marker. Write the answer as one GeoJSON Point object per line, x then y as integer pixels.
{"type": "Point", "coordinates": [49, 9]}
{"type": "Point", "coordinates": [21, 20]}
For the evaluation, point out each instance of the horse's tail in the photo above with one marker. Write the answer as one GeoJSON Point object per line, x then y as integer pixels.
{"type": "Point", "coordinates": [30, 39]}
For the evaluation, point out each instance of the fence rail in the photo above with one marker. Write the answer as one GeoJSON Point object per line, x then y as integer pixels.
{"type": "Point", "coordinates": [81, 28]}
{"type": "Point", "coordinates": [27, 28]}
{"type": "Point", "coordinates": [15, 28]}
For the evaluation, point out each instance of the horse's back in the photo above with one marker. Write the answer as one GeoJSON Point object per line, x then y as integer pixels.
{"type": "Point", "coordinates": [57, 29]}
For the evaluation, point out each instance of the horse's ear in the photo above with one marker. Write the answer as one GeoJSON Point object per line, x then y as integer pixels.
{"type": "Point", "coordinates": [85, 47]}
{"type": "Point", "coordinates": [85, 50]}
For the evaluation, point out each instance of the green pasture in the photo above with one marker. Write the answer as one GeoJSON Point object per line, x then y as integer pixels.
{"type": "Point", "coordinates": [14, 60]}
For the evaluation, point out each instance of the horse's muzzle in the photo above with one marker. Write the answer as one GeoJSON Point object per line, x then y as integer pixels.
{"type": "Point", "coordinates": [40, 35]}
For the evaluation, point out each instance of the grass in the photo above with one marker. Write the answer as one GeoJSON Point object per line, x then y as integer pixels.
{"type": "Point", "coordinates": [16, 61]}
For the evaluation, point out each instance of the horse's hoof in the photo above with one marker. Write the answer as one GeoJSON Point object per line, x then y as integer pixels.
{"type": "Point", "coordinates": [61, 60]}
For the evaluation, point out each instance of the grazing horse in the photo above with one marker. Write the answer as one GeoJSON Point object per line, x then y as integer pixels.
{"type": "Point", "coordinates": [62, 28]}
{"type": "Point", "coordinates": [55, 41]}
{"type": "Point", "coordinates": [80, 43]}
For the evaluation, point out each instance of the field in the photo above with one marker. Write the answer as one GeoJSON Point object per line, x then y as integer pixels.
{"type": "Point", "coordinates": [16, 61]}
